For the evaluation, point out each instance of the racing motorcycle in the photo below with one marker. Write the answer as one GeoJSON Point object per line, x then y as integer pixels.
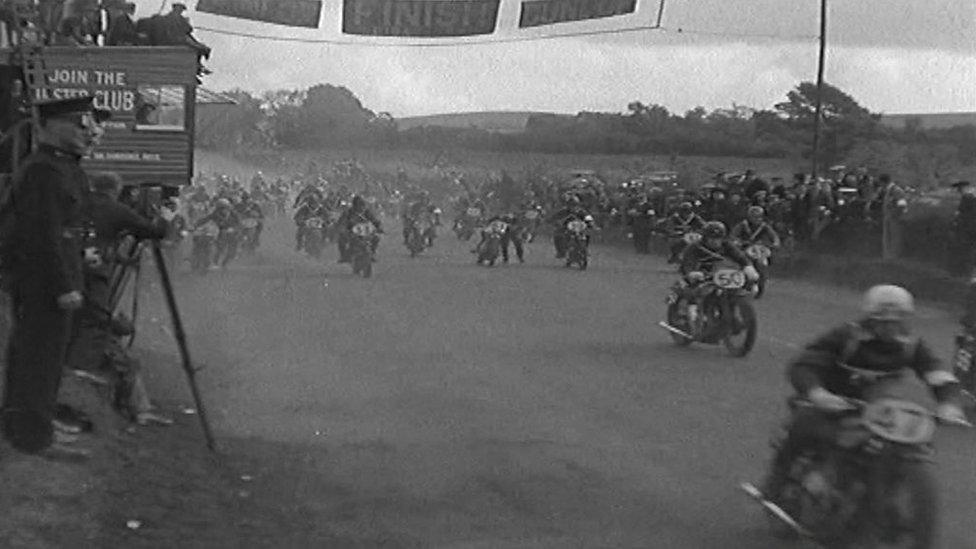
{"type": "Point", "coordinates": [465, 225]}
{"type": "Point", "coordinates": [361, 249]}
{"type": "Point", "coordinates": [531, 218]}
{"type": "Point", "coordinates": [723, 315]}
{"type": "Point", "coordinates": [249, 234]}
{"type": "Point", "coordinates": [416, 236]}
{"type": "Point", "coordinates": [577, 248]}
{"type": "Point", "coordinates": [491, 248]}
{"type": "Point", "coordinates": [873, 486]}
{"type": "Point", "coordinates": [760, 254]}
{"type": "Point", "coordinates": [202, 252]}
{"type": "Point", "coordinates": [314, 238]}
{"type": "Point", "coordinates": [227, 242]}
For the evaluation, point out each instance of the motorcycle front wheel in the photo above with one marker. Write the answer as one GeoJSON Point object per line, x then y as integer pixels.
{"type": "Point", "coordinates": [909, 504]}
{"type": "Point", "coordinates": [677, 317]}
{"type": "Point", "coordinates": [742, 327]}
{"type": "Point", "coordinates": [362, 264]}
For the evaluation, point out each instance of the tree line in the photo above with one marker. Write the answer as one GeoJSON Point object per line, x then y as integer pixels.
{"type": "Point", "coordinates": [332, 116]}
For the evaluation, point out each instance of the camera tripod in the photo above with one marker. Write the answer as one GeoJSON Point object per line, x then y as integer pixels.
{"type": "Point", "coordinates": [128, 267]}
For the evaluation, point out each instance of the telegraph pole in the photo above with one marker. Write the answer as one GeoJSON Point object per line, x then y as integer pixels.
{"type": "Point", "coordinates": [820, 77]}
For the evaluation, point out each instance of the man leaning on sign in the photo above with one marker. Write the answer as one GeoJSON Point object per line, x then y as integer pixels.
{"type": "Point", "coordinates": [43, 253]}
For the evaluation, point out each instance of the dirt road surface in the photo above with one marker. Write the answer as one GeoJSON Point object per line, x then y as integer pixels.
{"type": "Point", "coordinates": [441, 404]}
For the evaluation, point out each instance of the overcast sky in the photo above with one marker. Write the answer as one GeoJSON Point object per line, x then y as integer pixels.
{"type": "Point", "coordinates": [893, 56]}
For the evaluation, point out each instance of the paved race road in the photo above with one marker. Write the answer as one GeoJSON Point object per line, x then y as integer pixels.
{"type": "Point", "coordinates": [441, 404]}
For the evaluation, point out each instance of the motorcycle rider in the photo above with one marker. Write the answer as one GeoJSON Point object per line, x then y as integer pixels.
{"type": "Point", "coordinates": [228, 221]}
{"type": "Point", "coordinates": [248, 208]}
{"type": "Point", "coordinates": [571, 210]}
{"type": "Point", "coordinates": [880, 341]}
{"type": "Point", "coordinates": [357, 213]}
{"type": "Point", "coordinates": [421, 210]}
{"type": "Point", "coordinates": [678, 224]}
{"type": "Point", "coordinates": [512, 235]}
{"type": "Point", "coordinates": [755, 230]}
{"type": "Point", "coordinates": [698, 262]}
{"type": "Point", "coordinates": [307, 192]}
{"type": "Point", "coordinates": [311, 207]}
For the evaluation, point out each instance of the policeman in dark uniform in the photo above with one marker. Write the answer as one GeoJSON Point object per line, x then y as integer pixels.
{"type": "Point", "coordinates": [49, 194]}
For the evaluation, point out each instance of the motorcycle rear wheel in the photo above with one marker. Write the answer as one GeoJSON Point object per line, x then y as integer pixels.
{"type": "Point", "coordinates": [742, 310]}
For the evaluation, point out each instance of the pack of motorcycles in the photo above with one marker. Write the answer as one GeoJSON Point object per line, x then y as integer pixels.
{"type": "Point", "coordinates": [871, 488]}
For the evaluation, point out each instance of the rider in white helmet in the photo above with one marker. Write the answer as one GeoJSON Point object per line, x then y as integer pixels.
{"type": "Point", "coordinates": [839, 365]}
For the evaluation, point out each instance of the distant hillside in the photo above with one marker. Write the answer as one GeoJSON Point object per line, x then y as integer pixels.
{"type": "Point", "coordinates": [515, 121]}
{"type": "Point", "coordinates": [493, 121]}
{"type": "Point", "coordinates": [933, 120]}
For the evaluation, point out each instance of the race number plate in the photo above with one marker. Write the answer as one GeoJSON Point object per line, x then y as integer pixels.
{"type": "Point", "coordinates": [899, 421]}
{"type": "Point", "coordinates": [314, 223]}
{"type": "Point", "coordinates": [729, 278]}
{"type": "Point", "coordinates": [576, 226]}
{"type": "Point", "coordinates": [692, 238]}
{"type": "Point", "coordinates": [474, 212]}
{"type": "Point", "coordinates": [531, 214]}
{"type": "Point", "coordinates": [249, 223]}
{"type": "Point", "coordinates": [362, 229]}
{"type": "Point", "coordinates": [498, 226]}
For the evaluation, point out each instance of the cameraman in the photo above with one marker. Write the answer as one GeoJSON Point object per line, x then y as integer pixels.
{"type": "Point", "coordinates": [95, 343]}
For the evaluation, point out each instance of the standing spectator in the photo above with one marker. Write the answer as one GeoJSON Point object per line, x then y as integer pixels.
{"type": "Point", "coordinates": [894, 205]}
{"type": "Point", "coordinates": [755, 184]}
{"type": "Point", "coordinates": [176, 30]}
{"type": "Point", "coordinates": [122, 29]}
{"type": "Point", "coordinates": [736, 210]}
{"type": "Point", "coordinates": [963, 245]}
{"type": "Point", "coordinates": [716, 207]}
{"type": "Point", "coordinates": [49, 191]}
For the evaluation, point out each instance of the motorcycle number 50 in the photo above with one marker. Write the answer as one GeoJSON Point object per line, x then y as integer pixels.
{"type": "Point", "coordinates": [729, 278]}
{"type": "Point", "coordinates": [899, 421]}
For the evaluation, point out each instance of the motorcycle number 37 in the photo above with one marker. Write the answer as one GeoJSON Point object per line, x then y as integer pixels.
{"type": "Point", "coordinates": [899, 421]}
{"type": "Point", "coordinates": [729, 278]}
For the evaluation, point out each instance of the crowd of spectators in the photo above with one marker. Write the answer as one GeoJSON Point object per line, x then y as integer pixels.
{"type": "Point", "coordinates": [94, 23]}
{"type": "Point", "coordinates": [848, 212]}
{"type": "Point", "coordinates": [834, 212]}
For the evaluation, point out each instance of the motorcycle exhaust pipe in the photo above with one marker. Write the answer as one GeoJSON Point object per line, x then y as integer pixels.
{"type": "Point", "coordinates": [672, 329]}
{"type": "Point", "coordinates": [775, 510]}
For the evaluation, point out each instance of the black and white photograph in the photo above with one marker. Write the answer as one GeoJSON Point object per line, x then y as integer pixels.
{"type": "Point", "coordinates": [487, 274]}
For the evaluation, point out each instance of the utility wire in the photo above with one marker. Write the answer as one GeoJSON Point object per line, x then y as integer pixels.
{"type": "Point", "coordinates": [505, 40]}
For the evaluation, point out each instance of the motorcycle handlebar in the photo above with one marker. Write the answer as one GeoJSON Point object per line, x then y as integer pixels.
{"type": "Point", "coordinates": [857, 404]}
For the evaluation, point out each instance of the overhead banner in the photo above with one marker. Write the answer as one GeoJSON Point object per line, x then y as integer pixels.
{"type": "Point", "coordinates": [428, 18]}
{"type": "Point", "coordinates": [536, 13]}
{"type": "Point", "coordinates": [292, 13]}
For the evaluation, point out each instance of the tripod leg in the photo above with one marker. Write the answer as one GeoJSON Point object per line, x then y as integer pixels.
{"type": "Point", "coordinates": [181, 342]}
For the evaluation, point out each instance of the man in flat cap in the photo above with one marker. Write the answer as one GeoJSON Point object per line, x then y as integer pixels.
{"type": "Point", "coordinates": [44, 273]}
